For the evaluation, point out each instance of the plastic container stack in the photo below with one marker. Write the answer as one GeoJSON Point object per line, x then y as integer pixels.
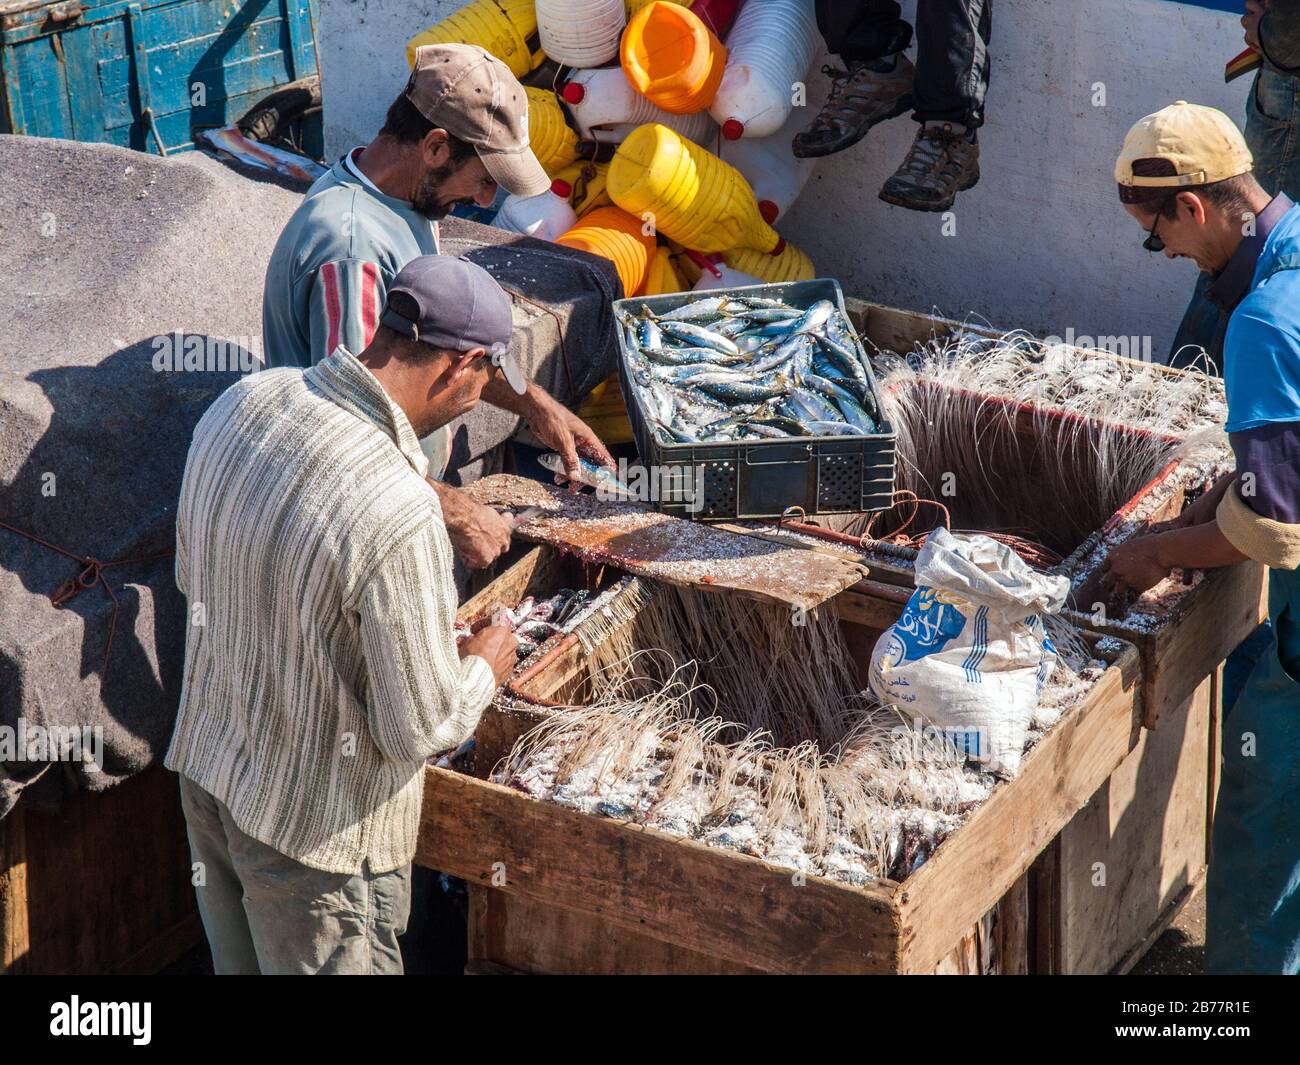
{"type": "Point", "coordinates": [769, 51]}
{"type": "Point", "coordinates": [629, 128]}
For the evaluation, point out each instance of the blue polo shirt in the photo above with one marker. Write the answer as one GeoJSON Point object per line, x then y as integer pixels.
{"type": "Point", "coordinates": [1261, 373]}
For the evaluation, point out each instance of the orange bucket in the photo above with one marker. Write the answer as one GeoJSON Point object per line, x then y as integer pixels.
{"type": "Point", "coordinates": [615, 235]}
{"type": "Point", "coordinates": [672, 58]}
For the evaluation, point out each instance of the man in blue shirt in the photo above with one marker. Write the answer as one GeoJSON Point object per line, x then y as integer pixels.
{"type": "Point", "coordinates": [1185, 176]}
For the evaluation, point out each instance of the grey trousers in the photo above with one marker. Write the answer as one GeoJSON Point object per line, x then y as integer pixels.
{"type": "Point", "coordinates": [264, 912]}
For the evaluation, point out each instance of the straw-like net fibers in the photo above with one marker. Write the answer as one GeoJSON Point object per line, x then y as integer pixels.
{"type": "Point", "coordinates": [1092, 432]}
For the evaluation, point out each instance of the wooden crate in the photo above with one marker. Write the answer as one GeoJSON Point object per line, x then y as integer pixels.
{"type": "Point", "coordinates": [558, 890]}
{"type": "Point", "coordinates": [100, 886]}
{"type": "Point", "coordinates": [1202, 627]}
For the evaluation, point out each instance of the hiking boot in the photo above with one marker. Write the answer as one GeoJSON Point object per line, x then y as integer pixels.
{"type": "Point", "coordinates": [941, 163]}
{"type": "Point", "coordinates": [866, 93]}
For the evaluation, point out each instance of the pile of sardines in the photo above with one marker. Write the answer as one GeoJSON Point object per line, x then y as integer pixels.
{"type": "Point", "coordinates": [748, 368]}
{"type": "Point", "coordinates": [534, 620]}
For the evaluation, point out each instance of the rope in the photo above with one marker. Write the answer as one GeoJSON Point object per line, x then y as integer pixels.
{"type": "Point", "coordinates": [92, 573]}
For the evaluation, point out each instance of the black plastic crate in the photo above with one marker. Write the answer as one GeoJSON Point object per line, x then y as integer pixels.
{"type": "Point", "coordinates": [762, 478]}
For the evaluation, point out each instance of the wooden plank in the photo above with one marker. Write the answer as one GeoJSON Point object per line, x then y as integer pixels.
{"type": "Point", "coordinates": [659, 546]}
{"type": "Point", "coordinates": [1013, 939]}
{"type": "Point", "coordinates": [726, 905]}
{"type": "Point", "coordinates": [15, 941]}
{"type": "Point", "coordinates": [1138, 845]}
{"type": "Point", "coordinates": [533, 937]}
{"type": "Point", "coordinates": [1167, 918]}
{"type": "Point", "coordinates": [511, 586]}
{"type": "Point", "coordinates": [975, 866]}
{"type": "Point", "coordinates": [108, 880]}
{"type": "Point", "coordinates": [1204, 628]}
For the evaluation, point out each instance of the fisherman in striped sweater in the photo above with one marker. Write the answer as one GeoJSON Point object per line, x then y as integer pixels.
{"type": "Point", "coordinates": [458, 130]}
{"type": "Point", "coordinates": [321, 672]}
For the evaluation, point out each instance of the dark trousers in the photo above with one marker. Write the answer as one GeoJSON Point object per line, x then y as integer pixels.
{"type": "Point", "coordinates": [952, 60]}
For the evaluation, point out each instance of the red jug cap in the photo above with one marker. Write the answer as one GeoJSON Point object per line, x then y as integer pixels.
{"type": "Point", "coordinates": [733, 129]}
{"type": "Point", "coordinates": [768, 210]}
{"type": "Point", "coordinates": [573, 93]}
{"type": "Point", "coordinates": [561, 188]}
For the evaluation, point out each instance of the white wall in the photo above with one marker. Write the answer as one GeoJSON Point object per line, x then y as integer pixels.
{"type": "Point", "coordinates": [1041, 243]}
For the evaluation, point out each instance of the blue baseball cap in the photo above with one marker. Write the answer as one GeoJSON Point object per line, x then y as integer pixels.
{"type": "Point", "coordinates": [455, 305]}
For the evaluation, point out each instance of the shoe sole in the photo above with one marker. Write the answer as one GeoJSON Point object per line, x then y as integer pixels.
{"type": "Point", "coordinates": [904, 103]}
{"type": "Point", "coordinates": [942, 205]}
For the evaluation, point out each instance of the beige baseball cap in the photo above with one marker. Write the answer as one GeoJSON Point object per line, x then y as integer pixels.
{"type": "Point", "coordinates": [472, 95]}
{"type": "Point", "coordinates": [1204, 146]}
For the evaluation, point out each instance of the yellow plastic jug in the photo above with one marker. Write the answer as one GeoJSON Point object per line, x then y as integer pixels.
{"type": "Point", "coordinates": [524, 16]}
{"type": "Point", "coordinates": [484, 23]}
{"type": "Point", "coordinates": [553, 142]}
{"type": "Point", "coordinates": [789, 264]}
{"type": "Point", "coordinates": [672, 58]}
{"type": "Point", "coordinates": [663, 276]}
{"type": "Point", "coordinates": [617, 236]}
{"type": "Point", "coordinates": [694, 197]}
{"type": "Point", "coordinates": [587, 180]}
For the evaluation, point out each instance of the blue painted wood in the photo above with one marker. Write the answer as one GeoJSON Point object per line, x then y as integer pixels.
{"type": "Point", "coordinates": [200, 63]}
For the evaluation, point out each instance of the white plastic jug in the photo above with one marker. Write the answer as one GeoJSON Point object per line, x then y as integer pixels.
{"type": "Point", "coordinates": [769, 49]}
{"type": "Point", "coordinates": [580, 33]}
{"type": "Point", "coordinates": [607, 108]}
{"type": "Point", "coordinates": [544, 216]}
{"type": "Point", "coordinates": [770, 166]}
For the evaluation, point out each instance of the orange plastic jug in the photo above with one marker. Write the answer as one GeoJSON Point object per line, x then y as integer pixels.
{"type": "Point", "coordinates": [788, 264]}
{"type": "Point", "coordinates": [672, 58]}
{"type": "Point", "coordinates": [690, 194]}
{"type": "Point", "coordinates": [553, 142]}
{"type": "Point", "coordinates": [484, 23]}
{"type": "Point", "coordinates": [619, 237]}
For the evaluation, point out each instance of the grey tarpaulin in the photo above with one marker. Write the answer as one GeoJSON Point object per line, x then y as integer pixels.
{"type": "Point", "coordinates": [105, 251]}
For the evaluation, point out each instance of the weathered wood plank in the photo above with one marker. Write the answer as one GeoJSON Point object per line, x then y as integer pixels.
{"type": "Point", "coordinates": [729, 906]}
{"type": "Point", "coordinates": [979, 863]}
{"type": "Point", "coordinates": [1139, 843]}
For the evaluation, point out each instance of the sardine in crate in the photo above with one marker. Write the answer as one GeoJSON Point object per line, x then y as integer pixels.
{"type": "Point", "coordinates": [554, 889]}
{"type": "Point", "coordinates": [742, 479]}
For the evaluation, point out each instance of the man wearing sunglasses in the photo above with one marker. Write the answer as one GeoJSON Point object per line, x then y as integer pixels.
{"type": "Point", "coordinates": [1185, 177]}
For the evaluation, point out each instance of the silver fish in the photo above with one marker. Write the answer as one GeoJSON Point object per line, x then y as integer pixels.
{"type": "Point", "coordinates": [588, 473]}
{"type": "Point", "coordinates": [689, 333]}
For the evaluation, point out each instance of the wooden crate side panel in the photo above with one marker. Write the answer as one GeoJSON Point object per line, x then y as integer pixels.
{"type": "Point", "coordinates": [979, 864]}
{"type": "Point", "coordinates": [725, 905]}
{"type": "Point", "coordinates": [534, 937]}
{"type": "Point", "coordinates": [14, 931]}
{"type": "Point", "coordinates": [1139, 845]}
{"type": "Point", "coordinates": [107, 881]}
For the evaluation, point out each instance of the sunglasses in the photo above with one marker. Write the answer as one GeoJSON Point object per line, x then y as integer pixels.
{"type": "Point", "coordinates": [1153, 242]}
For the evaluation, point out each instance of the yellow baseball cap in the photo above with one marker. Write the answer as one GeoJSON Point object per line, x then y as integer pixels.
{"type": "Point", "coordinates": [1202, 144]}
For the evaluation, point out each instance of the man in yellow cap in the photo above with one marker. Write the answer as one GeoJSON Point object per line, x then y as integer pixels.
{"type": "Point", "coordinates": [1184, 175]}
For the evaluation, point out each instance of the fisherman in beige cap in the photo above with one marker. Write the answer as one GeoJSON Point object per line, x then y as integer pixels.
{"type": "Point", "coordinates": [457, 131]}
{"type": "Point", "coordinates": [1184, 175]}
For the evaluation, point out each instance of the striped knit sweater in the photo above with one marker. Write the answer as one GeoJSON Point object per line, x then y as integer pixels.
{"type": "Point", "coordinates": [320, 667]}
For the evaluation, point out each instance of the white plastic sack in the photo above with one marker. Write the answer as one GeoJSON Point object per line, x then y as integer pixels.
{"type": "Point", "coordinates": [970, 654]}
